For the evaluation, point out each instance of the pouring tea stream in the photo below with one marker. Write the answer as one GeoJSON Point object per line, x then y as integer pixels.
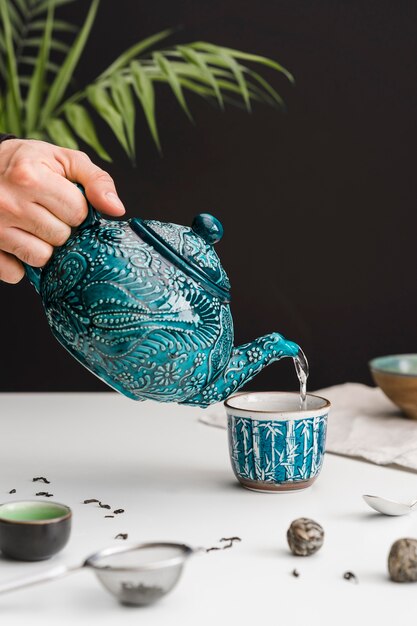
{"type": "Point", "coordinates": [144, 305]}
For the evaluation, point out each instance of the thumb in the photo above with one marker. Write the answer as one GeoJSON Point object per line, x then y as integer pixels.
{"type": "Point", "coordinates": [98, 184]}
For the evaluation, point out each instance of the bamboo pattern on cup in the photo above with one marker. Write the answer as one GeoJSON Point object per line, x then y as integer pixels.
{"type": "Point", "coordinates": [277, 451]}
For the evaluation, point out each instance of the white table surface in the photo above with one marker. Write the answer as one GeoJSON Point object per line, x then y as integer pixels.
{"type": "Point", "coordinates": [172, 476]}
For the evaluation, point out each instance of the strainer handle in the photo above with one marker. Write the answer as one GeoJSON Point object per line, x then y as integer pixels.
{"type": "Point", "coordinates": [43, 577]}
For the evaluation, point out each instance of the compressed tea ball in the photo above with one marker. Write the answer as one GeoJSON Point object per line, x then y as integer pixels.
{"type": "Point", "coordinates": [402, 561]}
{"type": "Point", "coordinates": [305, 536]}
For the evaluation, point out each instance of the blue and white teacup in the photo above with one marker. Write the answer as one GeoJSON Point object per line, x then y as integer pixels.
{"type": "Point", "coordinates": [275, 443]}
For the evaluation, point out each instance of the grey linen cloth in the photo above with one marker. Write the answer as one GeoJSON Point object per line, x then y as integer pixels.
{"type": "Point", "coordinates": [363, 423]}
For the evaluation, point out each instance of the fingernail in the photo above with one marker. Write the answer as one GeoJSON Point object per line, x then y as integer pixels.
{"type": "Point", "coordinates": [115, 200]}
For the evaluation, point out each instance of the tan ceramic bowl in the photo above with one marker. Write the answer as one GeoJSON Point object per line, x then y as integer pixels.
{"type": "Point", "coordinates": [396, 375]}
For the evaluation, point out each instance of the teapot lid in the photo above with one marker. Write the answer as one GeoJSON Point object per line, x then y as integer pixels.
{"type": "Point", "coordinates": [190, 249]}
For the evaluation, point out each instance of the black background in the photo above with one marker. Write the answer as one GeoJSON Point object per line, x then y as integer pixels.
{"type": "Point", "coordinates": [317, 204]}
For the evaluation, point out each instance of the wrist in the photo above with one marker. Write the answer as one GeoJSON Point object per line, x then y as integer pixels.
{"type": "Point", "coordinates": [5, 136]}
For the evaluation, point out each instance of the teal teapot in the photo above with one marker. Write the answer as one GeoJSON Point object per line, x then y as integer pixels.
{"type": "Point", "coordinates": [144, 305]}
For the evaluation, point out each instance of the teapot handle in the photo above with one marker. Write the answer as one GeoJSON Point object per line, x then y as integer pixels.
{"type": "Point", "coordinates": [93, 218]}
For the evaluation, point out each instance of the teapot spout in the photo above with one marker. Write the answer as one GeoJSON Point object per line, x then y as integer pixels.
{"type": "Point", "coordinates": [245, 362]}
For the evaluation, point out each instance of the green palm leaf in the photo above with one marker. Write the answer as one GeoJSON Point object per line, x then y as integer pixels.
{"type": "Point", "coordinates": [36, 86]}
{"type": "Point", "coordinates": [222, 59]}
{"type": "Point", "coordinates": [15, 19]}
{"type": "Point", "coordinates": [82, 124]}
{"type": "Point", "coordinates": [58, 25]}
{"type": "Point", "coordinates": [36, 42]}
{"type": "Point", "coordinates": [13, 98]}
{"type": "Point", "coordinates": [60, 133]}
{"type": "Point", "coordinates": [24, 26]}
{"type": "Point", "coordinates": [245, 56]}
{"type": "Point", "coordinates": [3, 70]}
{"type": "Point", "coordinates": [145, 92]}
{"type": "Point", "coordinates": [267, 87]}
{"type": "Point", "coordinates": [28, 60]}
{"type": "Point", "coordinates": [22, 6]}
{"type": "Point", "coordinates": [35, 101]}
{"type": "Point", "coordinates": [133, 52]}
{"type": "Point", "coordinates": [40, 7]}
{"type": "Point", "coordinates": [172, 80]}
{"type": "Point", "coordinates": [123, 100]}
{"type": "Point", "coordinates": [102, 103]}
{"type": "Point", "coordinates": [40, 135]}
{"type": "Point", "coordinates": [205, 72]}
{"type": "Point", "coordinates": [63, 77]}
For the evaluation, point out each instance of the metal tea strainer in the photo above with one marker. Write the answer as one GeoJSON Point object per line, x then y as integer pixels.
{"type": "Point", "coordinates": [135, 574]}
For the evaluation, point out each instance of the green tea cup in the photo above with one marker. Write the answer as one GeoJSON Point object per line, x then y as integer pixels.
{"type": "Point", "coordinates": [33, 530]}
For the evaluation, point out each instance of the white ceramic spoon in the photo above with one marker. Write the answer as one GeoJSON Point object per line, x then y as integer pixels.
{"type": "Point", "coordinates": [389, 507]}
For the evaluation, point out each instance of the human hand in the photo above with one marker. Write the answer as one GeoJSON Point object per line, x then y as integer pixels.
{"type": "Point", "coordinates": [39, 204]}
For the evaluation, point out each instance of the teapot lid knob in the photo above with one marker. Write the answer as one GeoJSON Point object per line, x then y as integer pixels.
{"type": "Point", "coordinates": [208, 227]}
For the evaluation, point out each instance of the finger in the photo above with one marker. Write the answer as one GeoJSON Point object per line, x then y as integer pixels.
{"type": "Point", "coordinates": [44, 225]}
{"type": "Point", "coordinates": [98, 184]}
{"type": "Point", "coordinates": [25, 247]}
{"type": "Point", "coordinates": [62, 198]}
{"type": "Point", "coordinates": [11, 270]}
